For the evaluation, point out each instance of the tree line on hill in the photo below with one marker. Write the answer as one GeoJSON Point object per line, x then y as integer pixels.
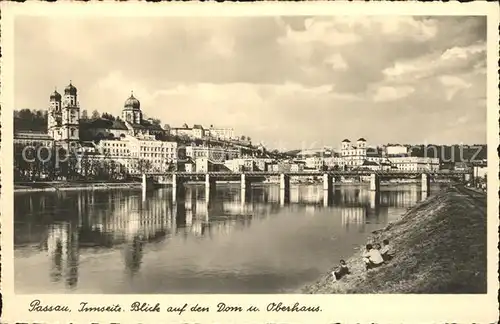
{"type": "Point", "coordinates": [36, 120]}
{"type": "Point", "coordinates": [30, 120]}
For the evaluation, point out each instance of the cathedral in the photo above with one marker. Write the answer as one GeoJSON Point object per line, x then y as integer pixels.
{"type": "Point", "coordinates": [67, 129]}
{"type": "Point", "coordinates": [64, 116]}
{"type": "Point", "coordinates": [133, 119]}
{"type": "Point", "coordinates": [131, 112]}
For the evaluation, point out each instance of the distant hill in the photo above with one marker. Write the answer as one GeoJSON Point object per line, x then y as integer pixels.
{"type": "Point", "coordinates": [292, 152]}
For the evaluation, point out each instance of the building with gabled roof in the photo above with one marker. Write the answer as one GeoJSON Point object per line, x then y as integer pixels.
{"type": "Point", "coordinates": [353, 155]}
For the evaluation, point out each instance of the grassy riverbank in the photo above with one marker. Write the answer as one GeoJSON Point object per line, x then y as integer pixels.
{"type": "Point", "coordinates": [439, 245]}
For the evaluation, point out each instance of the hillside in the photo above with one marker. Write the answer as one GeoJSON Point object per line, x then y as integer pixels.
{"type": "Point", "coordinates": [440, 247]}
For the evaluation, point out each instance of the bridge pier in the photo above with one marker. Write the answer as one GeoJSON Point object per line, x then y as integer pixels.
{"type": "Point", "coordinates": [425, 182]}
{"type": "Point", "coordinates": [284, 188]}
{"type": "Point", "coordinates": [374, 199]}
{"type": "Point", "coordinates": [177, 188]}
{"type": "Point", "coordinates": [210, 187]}
{"type": "Point", "coordinates": [144, 186]}
{"type": "Point", "coordinates": [374, 182]}
{"type": "Point", "coordinates": [179, 215]}
{"type": "Point", "coordinates": [190, 200]}
{"type": "Point", "coordinates": [467, 177]}
{"type": "Point", "coordinates": [147, 184]}
{"type": "Point", "coordinates": [327, 189]}
{"type": "Point", "coordinates": [246, 188]}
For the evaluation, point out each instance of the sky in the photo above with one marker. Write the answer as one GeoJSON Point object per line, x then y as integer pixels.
{"type": "Point", "coordinates": [289, 82]}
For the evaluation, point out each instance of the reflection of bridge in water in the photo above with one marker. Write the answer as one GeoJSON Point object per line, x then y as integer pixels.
{"type": "Point", "coordinates": [128, 222]}
{"type": "Point", "coordinates": [330, 178]}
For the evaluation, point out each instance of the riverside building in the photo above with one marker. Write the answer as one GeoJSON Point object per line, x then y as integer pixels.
{"type": "Point", "coordinates": [126, 140]}
{"type": "Point", "coordinates": [217, 154]}
{"type": "Point", "coordinates": [360, 156]}
{"type": "Point", "coordinates": [132, 142]}
{"type": "Point", "coordinates": [353, 155]}
{"type": "Point", "coordinates": [414, 163]}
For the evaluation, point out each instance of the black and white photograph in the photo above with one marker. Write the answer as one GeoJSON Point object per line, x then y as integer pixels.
{"type": "Point", "coordinates": [253, 154]}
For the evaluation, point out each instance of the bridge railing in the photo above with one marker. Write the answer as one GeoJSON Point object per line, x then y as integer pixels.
{"type": "Point", "coordinates": [314, 173]}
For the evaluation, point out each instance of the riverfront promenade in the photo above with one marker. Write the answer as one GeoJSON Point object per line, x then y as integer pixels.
{"type": "Point", "coordinates": [439, 245]}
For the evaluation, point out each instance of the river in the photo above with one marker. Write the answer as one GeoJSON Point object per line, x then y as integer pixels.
{"type": "Point", "coordinates": [120, 242]}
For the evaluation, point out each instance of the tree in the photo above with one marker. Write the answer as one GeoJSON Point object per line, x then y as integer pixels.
{"type": "Point", "coordinates": [113, 170]}
{"type": "Point", "coordinates": [20, 163]}
{"type": "Point", "coordinates": [155, 121]}
{"type": "Point", "coordinates": [84, 114]}
{"type": "Point", "coordinates": [95, 114]}
{"type": "Point", "coordinates": [144, 166]}
{"type": "Point", "coordinates": [107, 116]}
{"type": "Point", "coordinates": [86, 167]}
{"type": "Point", "coordinates": [184, 138]}
{"type": "Point", "coordinates": [243, 137]}
{"type": "Point", "coordinates": [28, 120]}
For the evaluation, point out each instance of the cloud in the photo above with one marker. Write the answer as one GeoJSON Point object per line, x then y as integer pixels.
{"type": "Point", "coordinates": [401, 27]}
{"type": "Point", "coordinates": [452, 60]}
{"type": "Point", "coordinates": [463, 53]}
{"type": "Point", "coordinates": [387, 93]}
{"type": "Point", "coordinates": [337, 62]}
{"type": "Point", "coordinates": [319, 30]}
{"type": "Point", "coordinates": [276, 79]}
{"type": "Point", "coordinates": [221, 46]}
{"type": "Point", "coordinates": [453, 84]}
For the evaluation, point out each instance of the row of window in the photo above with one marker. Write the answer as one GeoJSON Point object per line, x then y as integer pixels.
{"type": "Point", "coordinates": [34, 143]}
{"type": "Point", "coordinates": [153, 155]}
{"type": "Point", "coordinates": [414, 166]}
{"type": "Point", "coordinates": [117, 151]}
{"type": "Point", "coordinates": [114, 144]}
{"type": "Point", "coordinates": [356, 152]}
{"type": "Point", "coordinates": [157, 149]}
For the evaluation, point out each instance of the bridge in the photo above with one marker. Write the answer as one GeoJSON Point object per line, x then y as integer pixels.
{"type": "Point", "coordinates": [329, 178]}
{"type": "Point", "coordinates": [388, 174]}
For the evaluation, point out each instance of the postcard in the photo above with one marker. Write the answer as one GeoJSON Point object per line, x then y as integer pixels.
{"type": "Point", "coordinates": [268, 162]}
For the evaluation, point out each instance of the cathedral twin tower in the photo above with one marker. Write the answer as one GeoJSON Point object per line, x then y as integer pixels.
{"type": "Point", "coordinates": [64, 116]}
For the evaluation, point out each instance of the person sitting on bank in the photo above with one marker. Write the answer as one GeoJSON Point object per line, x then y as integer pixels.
{"type": "Point", "coordinates": [372, 257]}
{"type": "Point", "coordinates": [386, 251]}
{"type": "Point", "coordinates": [341, 271]}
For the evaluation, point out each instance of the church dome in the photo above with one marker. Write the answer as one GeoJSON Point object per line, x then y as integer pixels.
{"type": "Point", "coordinates": [132, 102]}
{"type": "Point", "coordinates": [55, 96]}
{"type": "Point", "coordinates": [70, 89]}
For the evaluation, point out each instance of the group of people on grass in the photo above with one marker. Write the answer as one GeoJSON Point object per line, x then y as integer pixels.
{"type": "Point", "coordinates": [373, 257]}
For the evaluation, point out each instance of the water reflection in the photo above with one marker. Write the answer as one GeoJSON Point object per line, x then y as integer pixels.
{"type": "Point", "coordinates": [69, 225]}
{"type": "Point", "coordinates": [62, 246]}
